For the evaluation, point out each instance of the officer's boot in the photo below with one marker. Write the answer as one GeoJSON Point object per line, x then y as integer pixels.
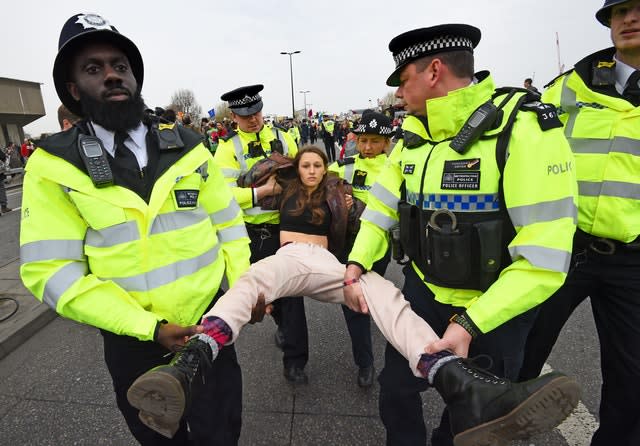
{"type": "Point", "coordinates": [163, 393]}
{"type": "Point", "coordinates": [488, 411]}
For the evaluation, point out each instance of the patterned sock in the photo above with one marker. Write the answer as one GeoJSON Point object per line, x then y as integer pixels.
{"type": "Point", "coordinates": [428, 365]}
{"type": "Point", "coordinates": [217, 329]}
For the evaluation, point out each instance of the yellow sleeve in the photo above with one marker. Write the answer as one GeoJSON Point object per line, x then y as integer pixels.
{"type": "Point", "coordinates": [225, 159]}
{"type": "Point", "coordinates": [228, 222]}
{"type": "Point", "coordinates": [542, 205]}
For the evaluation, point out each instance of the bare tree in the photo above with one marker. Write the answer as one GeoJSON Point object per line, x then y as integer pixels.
{"type": "Point", "coordinates": [184, 100]}
{"type": "Point", "coordinates": [222, 111]}
{"type": "Point", "coordinates": [388, 100]}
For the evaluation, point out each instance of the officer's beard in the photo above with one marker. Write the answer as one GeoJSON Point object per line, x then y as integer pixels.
{"type": "Point", "coordinates": [113, 115]}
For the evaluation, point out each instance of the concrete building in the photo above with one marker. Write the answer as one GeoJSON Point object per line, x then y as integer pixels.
{"type": "Point", "coordinates": [20, 104]}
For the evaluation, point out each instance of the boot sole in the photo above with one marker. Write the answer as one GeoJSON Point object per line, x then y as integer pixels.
{"type": "Point", "coordinates": [160, 399]}
{"type": "Point", "coordinates": [541, 412]}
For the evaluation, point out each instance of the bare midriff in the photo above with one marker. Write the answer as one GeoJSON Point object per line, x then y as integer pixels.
{"type": "Point", "coordinates": [299, 237]}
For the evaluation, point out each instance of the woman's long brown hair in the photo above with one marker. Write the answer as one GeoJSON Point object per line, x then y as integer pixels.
{"type": "Point", "coordinates": [295, 187]}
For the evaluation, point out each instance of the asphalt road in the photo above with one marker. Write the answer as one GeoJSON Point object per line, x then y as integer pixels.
{"type": "Point", "coordinates": [54, 389]}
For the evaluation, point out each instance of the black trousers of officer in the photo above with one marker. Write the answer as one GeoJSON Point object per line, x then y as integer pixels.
{"type": "Point", "coordinates": [288, 312]}
{"type": "Point", "coordinates": [329, 147]}
{"type": "Point", "coordinates": [400, 403]}
{"type": "Point", "coordinates": [215, 414]}
{"type": "Point", "coordinates": [613, 284]}
{"type": "Point", "coordinates": [359, 325]}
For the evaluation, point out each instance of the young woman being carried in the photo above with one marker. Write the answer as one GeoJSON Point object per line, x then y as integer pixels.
{"type": "Point", "coordinates": [313, 213]}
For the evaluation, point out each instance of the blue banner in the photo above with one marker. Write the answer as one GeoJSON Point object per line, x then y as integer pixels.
{"type": "Point", "coordinates": [212, 113]}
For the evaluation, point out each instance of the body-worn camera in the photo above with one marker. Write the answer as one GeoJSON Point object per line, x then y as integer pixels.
{"type": "Point", "coordinates": [167, 136]}
{"type": "Point", "coordinates": [276, 146]}
{"type": "Point", "coordinates": [255, 149]}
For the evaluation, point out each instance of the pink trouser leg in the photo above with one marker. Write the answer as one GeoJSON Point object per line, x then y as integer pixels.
{"type": "Point", "coordinates": [303, 269]}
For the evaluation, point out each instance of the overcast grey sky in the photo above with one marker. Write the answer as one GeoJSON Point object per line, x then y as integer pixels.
{"type": "Point", "coordinates": [212, 47]}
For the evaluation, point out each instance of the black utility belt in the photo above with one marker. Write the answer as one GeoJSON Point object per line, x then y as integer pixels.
{"type": "Point", "coordinates": [602, 245]}
{"type": "Point", "coordinates": [451, 253]}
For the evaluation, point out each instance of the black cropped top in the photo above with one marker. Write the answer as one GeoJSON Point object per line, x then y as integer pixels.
{"type": "Point", "coordinates": [302, 223]}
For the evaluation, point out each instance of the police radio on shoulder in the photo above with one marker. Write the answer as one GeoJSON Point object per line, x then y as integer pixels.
{"type": "Point", "coordinates": [480, 121]}
{"type": "Point", "coordinates": [95, 160]}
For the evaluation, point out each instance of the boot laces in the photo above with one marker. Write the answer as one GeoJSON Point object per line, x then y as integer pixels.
{"type": "Point", "coordinates": [191, 356]}
{"type": "Point", "coordinates": [472, 367]}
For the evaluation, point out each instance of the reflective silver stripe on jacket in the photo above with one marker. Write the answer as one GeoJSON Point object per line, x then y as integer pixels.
{"type": "Point", "coordinates": [378, 219]}
{"type": "Point", "coordinates": [542, 212]}
{"type": "Point", "coordinates": [172, 221]}
{"type": "Point", "coordinates": [617, 189]}
{"type": "Point", "coordinates": [232, 233]}
{"type": "Point", "coordinates": [166, 274]}
{"type": "Point", "coordinates": [230, 173]}
{"type": "Point", "coordinates": [226, 214]}
{"type": "Point", "coordinates": [52, 250]}
{"type": "Point", "coordinates": [257, 210]}
{"type": "Point", "coordinates": [568, 105]}
{"type": "Point", "coordinates": [113, 235]}
{"type": "Point", "coordinates": [542, 257]}
{"type": "Point", "coordinates": [285, 146]}
{"type": "Point", "coordinates": [349, 169]}
{"type": "Point", "coordinates": [61, 281]}
{"type": "Point", "coordinates": [384, 195]}
{"type": "Point", "coordinates": [237, 146]}
{"type": "Point", "coordinates": [618, 144]}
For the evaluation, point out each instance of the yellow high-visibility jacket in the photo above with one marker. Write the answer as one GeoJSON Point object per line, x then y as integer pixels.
{"type": "Point", "coordinates": [540, 194]}
{"type": "Point", "coordinates": [354, 168]}
{"type": "Point", "coordinates": [232, 156]}
{"type": "Point", "coordinates": [603, 130]}
{"type": "Point", "coordinates": [107, 258]}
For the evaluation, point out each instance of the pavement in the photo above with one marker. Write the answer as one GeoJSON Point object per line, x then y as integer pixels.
{"type": "Point", "coordinates": [30, 315]}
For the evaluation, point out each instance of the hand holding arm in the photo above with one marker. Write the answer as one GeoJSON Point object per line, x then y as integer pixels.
{"type": "Point", "coordinates": [268, 189]}
{"type": "Point", "coordinates": [353, 296]}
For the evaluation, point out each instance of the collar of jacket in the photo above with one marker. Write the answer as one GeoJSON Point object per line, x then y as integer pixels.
{"type": "Point", "coordinates": [266, 134]}
{"type": "Point", "coordinates": [604, 95]}
{"type": "Point", "coordinates": [446, 115]}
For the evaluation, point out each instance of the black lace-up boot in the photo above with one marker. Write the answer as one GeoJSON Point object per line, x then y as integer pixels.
{"type": "Point", "coordinates": [163, 393]}
{"type": "Point", "coordinates": [488, 411]}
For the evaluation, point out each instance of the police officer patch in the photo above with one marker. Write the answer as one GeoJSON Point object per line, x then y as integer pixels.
{"type": "Point", "coordinates": [186, 198]}
{"type": "Point", "coordinates": [461, 174]}
{"type": "Point", "coordinates": [408, 169]}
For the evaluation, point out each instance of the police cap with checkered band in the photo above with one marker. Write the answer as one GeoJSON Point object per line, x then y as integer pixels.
{"type": "Point", "coordinates": [78, 31]}
{"type": "Point", "coordinates": [374, 123]}
{"type": "Point", "coordinates": [244, 101]}
{"type": "Point", "coordinates": [418, 43]}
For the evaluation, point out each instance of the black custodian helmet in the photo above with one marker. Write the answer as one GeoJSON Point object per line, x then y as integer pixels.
{"type": "Point", "coordinates": [604, 14]}
{"type": "Point", "coordinates": [79, 30]}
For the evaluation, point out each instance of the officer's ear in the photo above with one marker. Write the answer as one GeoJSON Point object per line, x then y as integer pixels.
{"type": "Point", "coordinates": [72, 88]}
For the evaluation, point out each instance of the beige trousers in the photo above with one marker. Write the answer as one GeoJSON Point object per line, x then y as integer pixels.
{"type": "Point", "coordinates": [299, 269]}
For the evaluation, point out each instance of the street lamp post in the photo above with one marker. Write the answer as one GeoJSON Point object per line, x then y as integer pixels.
{"type": "Point", "coordinates": [304, 92]}
{"type": "Point", "coordinates": [293, 104]}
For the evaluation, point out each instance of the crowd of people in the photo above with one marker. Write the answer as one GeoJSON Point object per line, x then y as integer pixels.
{"type": "Point", "coordinates": [138, 216]}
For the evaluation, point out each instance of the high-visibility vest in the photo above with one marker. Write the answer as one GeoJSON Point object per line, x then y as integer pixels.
{"type": "Point", "coordinates": [105, 257]}
{"type": "Point", "coordinates": [360, 172]}
{"type": "Point", "coordinates": [541, 202]}
{"type": "Point", "coordinates": [604, 133]}
{"type": "Point", "coordinates": [232, 156]}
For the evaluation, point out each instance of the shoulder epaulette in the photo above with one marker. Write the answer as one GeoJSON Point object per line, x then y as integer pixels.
{"type": "Point", "coordinates": [229, 135]}
{"type": "Point", "coordinates": [553, 81]}
{"type": "Point", "coordinates": [345, 161]}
